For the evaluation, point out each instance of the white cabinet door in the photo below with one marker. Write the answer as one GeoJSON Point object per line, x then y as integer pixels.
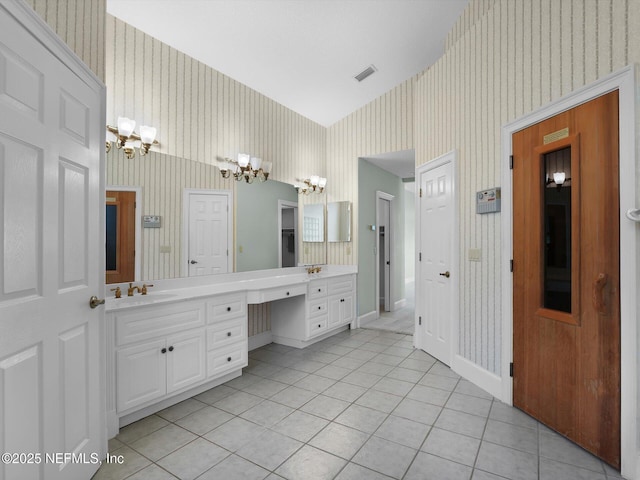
{"type": "Point", "coordinates": [141, 373]}
{"type": "Point", "coordinates": [335, 311]}
{"type": "Point", "coordinates": [185, 360]}
{"type": "Point", "coordinates": [348, 312]}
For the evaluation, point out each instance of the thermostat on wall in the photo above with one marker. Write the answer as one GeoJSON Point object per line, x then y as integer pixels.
{"type": "Point", "coordinates": [151, 221]}
{"type": "Point", "coordinates": [488, 201]}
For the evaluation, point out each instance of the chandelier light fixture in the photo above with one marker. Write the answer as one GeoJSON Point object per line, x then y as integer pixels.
{"type": "Point", "coordinates": [245, 168]}
{"type": "Point", "coordinates": [313, 184]}
{"type": "Point", "coordinates": [128, 140]}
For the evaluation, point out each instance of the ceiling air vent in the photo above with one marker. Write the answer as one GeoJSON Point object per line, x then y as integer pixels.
{"type": "Point", "coordinates": [365, 73]}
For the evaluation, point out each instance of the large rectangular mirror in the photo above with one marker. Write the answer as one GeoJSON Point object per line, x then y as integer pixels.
{"type": "Point", "coordinates": [256, 239]}
{"type": "Point", "coordinates": [339, 222]}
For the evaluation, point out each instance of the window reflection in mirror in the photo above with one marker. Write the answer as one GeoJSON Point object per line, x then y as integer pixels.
{"type": "Point", "coordinates": [313, 223]}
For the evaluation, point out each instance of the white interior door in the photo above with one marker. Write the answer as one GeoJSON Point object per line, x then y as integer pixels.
{"type": "Point", "coordinates": [436, 278]}
{"type": "Point", "coordinates": [208, 232]}
{"type": "Point", "coordinates": [51, 252]}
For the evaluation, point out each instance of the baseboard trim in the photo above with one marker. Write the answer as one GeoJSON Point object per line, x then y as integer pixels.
{"type": "Point", "coordinates": [400, 304]}
{"type": "Point", "coordinates": [367, 317]}
{"type": "Point", "coordinates": [260, 340]}
{"type": "Point", "coordinates": [489, 382]}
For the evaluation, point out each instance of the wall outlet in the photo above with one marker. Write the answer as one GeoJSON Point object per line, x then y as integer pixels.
{"type": "Point", "coordinates": [165, 248]}
{"type": "Point", "coordinates": [475, 254]}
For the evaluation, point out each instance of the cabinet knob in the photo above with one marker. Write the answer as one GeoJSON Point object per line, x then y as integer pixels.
{"type": "Point", "coordinates": [228, 359]}
{"type": "Point", "coordinates": [319, 325]}
{"type": "Point", "coordinates": [228, 334]}
{"type": "Point", "coordinates": [287, 293]}
{"type": "Point", "coordinates": [171, 348]}
{"type": "Point", "coordinates": [164, 350]}
{"type": "Point", "coordinates": [319, 308]}
{"type": "Point", "coordinates": [228, 309]}
{"type": "Point", "coordinates": [319, 290]}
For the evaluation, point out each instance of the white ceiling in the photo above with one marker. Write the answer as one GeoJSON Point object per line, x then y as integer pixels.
{"type": "Point", "coordinates": [402, 164]}
{"type": "Point", "coordinates": [303, 53]}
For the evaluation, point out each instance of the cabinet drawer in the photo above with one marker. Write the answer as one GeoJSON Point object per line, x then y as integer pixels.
{"type": "Point", "coordinates": [317, 308]}
{"type": "Point", "coordinates": [283, 292]}
{"type": "Point", "coordinates": [223, 360]}
{"type": "Point", "coordinates": [341, 285]}
{"type": "Point", "coordinates": [226, 307]}
{"type": "Point", "coordinates": [224, 333]}
{"type": "Point", "coordinates": [317, 289]}
{"type": "Point", "coordinates": [156, 321]}
{"type": "Point", "coordinates": [317, 326]}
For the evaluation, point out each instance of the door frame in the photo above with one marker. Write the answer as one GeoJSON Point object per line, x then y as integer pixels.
{"type": "Point", "coordinates": [625, 82]}
{"type": "Point", "coordinates": [138, 222]}
{"type": "Point", "coordinates": [389, 237]}
{"type": "Point", "coordinates": [449, 157]}
{"type": "Point", "coordinates": [184, 257]}
{"type": "Point", "coordinates": [282, 204]}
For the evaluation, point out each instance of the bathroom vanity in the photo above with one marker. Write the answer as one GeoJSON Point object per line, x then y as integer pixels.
{"type": "Point", "coordinates": [188, 335]}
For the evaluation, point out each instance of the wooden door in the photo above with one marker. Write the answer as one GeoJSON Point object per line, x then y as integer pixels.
{"type": "Point", "coordinates": [51, 240]}
{"type": "Point", "coordinates": [121, 236]}
{"type": "Point", "coordinates": [566, 358]}
{"type": "Point", "coordinates": [436, 278]}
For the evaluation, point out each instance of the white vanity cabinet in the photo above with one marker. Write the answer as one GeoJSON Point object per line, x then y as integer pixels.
{"type": "Point", "coordinates": [341, 301]}
{"type": "Point", "coordinates": [329, 305]}
{"type": "Point", "coordinates": [227, 348]}
{"type": "Point", "coordinates": [159, 350]}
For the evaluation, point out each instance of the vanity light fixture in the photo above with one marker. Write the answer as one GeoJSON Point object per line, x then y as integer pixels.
{"type": "Point", "coordinates": [314, 183]}
{"type": "Point", "coordinates": [128, 140]}
{"type": "Point", "coordinates": [245, 168]}
{"type": "Point", "coordinates": [559, 178]}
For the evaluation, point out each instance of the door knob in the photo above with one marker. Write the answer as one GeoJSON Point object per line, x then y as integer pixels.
{"type": "Point", "coordinates": [193, 262]}
{"type": "Point", "coordinates": [95, 301]}
{"type": "Point", "coordinates": [445, 274]}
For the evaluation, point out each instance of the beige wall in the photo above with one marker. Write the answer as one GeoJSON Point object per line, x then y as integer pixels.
{"type": "Point", "coordinates": [517, 56]}
{"type": "Point", "coordinates": [382, 126]}
{"type": "Point", "coordinates": [80, 24]}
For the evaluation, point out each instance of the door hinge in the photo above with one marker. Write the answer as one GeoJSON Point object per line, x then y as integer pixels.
{"type": "Point", "coordinates": [135, 205]}
{"type": "Point", "coordinates": [511, 369]}
{"type": "Point", "coordinates": [420, 256]}
{"type": "Point", "coordinates": [511, 266]}
{"type": "Point", "coordinates": [420, 192]}
{"type": "Point", "coordinates": [510, 162]}
{"type": "Point", "coordinates": [419, 320]}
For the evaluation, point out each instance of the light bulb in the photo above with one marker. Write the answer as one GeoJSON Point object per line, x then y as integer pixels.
{"type": "Point", "coordinates": [147, 134]}
{"type": "Point", "coordinates": [559, 178]}
{"type": "Point", "coordinates": [243, 159]}
{"type": "Point", "coordinates": [255, 163]}
{"type": "Point", "coordinates": [314, 180]}
{"type": "Point", "coordinates": [125, 126]}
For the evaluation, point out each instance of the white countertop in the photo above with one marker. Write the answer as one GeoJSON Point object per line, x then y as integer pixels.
{"type": "Point", "coordinates": [180, 289]}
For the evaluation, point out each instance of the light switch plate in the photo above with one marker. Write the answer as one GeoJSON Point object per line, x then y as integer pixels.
{"type": "Point", "coordinates": [475, 254]}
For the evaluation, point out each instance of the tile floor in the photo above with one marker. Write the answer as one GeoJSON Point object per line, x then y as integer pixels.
{"type": "Point", "coordinates": [362, 404]}
{"type": "Point", "coordinates": [399, 321]}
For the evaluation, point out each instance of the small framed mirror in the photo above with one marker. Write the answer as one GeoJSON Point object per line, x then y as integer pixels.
{"type": "Point", "coordinates": [339, 222]}
{"type": "Point", "coordinates": [313, 223]}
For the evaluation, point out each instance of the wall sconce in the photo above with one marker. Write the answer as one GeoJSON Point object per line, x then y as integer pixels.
{"type": "Point", "coordinates": [245, 168]}
{"type": "Point", "coordinates": [559, 178]}
{"type": "Point", "coordinates": [312, 184]}
{"type": "Point", "coordinates": [127, 139]}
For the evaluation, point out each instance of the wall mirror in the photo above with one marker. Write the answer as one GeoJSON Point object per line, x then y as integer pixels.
{"type": "Point", "coordinates": [313, 223]}
{"type": "Point", "coordinates": [265, 228]}
{"type": "Point", "coordinates": [339, 222]}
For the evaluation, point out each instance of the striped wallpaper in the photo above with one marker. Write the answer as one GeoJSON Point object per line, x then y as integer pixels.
{"type": "Point", "coordinates": [80, 24]}
{"type": "Point", "coordinates": [503, 61]}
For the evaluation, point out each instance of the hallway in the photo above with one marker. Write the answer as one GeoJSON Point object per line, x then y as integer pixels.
{"type": "Point", "coordinates": [400, 321]}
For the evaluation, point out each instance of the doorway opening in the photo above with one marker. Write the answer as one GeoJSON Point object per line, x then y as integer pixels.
{"type": "Point", "coordinates": [288, 238]}
{"type": "Point", "coordinates": [383, 252]}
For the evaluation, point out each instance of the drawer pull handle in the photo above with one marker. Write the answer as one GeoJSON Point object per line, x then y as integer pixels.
{"type": "Point", "coordinates": [228, 309]}
{"type": "Point", "coordinates": [164, 350]}
{"type": "Point", "coordinates": [319, 290]}
{"type": "Point", "coordinates": [319, 325]}
{"type": "Point", "coordinates": [171, 348]}
{"type": "Point", "coordinates": [228, 359]}
{"type": "Point", "coordinates": [319, 308]}
{"type": "Point", "coordinates": [228, 334]}
{"type": "Point", "coordinates": [287, 293]}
